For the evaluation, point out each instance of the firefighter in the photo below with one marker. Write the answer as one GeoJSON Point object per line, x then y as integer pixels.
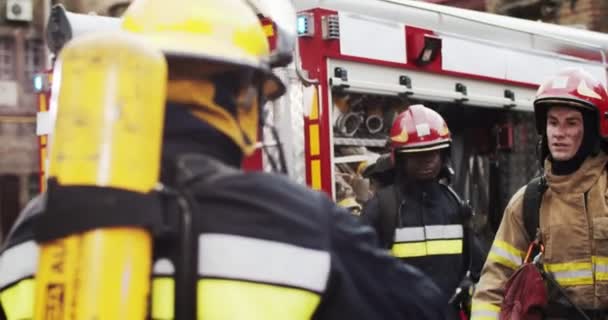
{"type": "Point", "coordinates": [572, 212]}
{"type": "Point", "coordinates": [261, 246]}
{"type": "Point", "coordinates": [418, 217]}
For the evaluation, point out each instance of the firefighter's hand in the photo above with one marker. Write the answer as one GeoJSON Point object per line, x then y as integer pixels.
{"type": "Point", "coordinates": [462, 294]}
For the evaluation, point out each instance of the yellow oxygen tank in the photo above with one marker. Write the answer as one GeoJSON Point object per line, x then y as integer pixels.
{"type": "Point", "coordinates": [108, 136]}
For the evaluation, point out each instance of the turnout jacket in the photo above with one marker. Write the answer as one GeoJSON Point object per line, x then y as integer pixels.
{"type": "Point", "coordinates": [428, 232]}
{"type": "Point", "coordinates": [574, 230]}
{"type": "Point", "coordinates": [263, 247]}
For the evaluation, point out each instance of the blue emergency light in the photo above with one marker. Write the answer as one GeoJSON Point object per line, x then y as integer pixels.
{"type": "Point", "coordinates": [38, 82]}
{"type": "Point", "coordinates": [305, 25]}
{"type": "Point", "coordinates": [302, 24]}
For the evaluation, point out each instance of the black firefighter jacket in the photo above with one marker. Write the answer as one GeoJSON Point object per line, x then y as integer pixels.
{"type": "Point", "coordinates": [428, 233]}
{"type": "Point", "coordinates": [264, 248]}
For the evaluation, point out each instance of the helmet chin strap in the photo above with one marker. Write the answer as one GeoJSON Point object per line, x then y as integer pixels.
{"type": "Point", "coordinates": [279, 146]}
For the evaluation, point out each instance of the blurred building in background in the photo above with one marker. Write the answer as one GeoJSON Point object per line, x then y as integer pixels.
{"type": "Point", "coordinates": [585, 14]}
{"type": "Point", "coordinates": [22, 55]}
{"type": "Point", "coordinates": [479, 5]}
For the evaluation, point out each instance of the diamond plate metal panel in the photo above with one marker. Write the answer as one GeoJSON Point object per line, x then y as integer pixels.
{"type": "Point", "coordinates": [287, 116]}
{"type": "Point", "coordinates": [520, 164]}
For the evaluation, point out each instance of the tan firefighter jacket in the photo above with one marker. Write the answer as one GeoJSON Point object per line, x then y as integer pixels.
{"type": "Point", "coordinates": [574, 229]}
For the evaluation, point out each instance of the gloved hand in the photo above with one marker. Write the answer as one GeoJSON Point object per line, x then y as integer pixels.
{"type": "Point", "coordinates": [461, 299]}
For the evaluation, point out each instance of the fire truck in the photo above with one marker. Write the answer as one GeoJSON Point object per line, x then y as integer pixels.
{"type": "Point", "coordinates": [359, 63]}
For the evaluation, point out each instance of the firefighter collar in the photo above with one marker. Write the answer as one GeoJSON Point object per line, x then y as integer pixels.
{"type": "Point", "coordinates": [580, 180]}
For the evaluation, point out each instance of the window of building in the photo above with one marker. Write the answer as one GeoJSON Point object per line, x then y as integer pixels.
{"type": "Point", "coordinates": [7, 60]}
{"type": "Point", "coordinates": [34, 56]}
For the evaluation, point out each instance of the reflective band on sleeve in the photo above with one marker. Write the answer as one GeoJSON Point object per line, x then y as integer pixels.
{"type": "Point", "coordinates": [163, 298]}
{"type": "Point", "coordinates": [18, 300]}
{"type": "Point", "coordinates": [484, 311]}
{"type": "Point", "coordinates": [237, 257]}
{"type": "Point", "coordinates": [218, 299]}
{"type": "Point", "coordinates": [18, 262]}
{"type": "Point", "coordinates": [571, 273]}
{"type": "Point", "coordinates": [505, 254]}
{"type": "Point", "coordinates": [409, 234]}
{"type": "Point", "coordinates": [419, 249]}
{"type": "Point", "coordinates": [451, 231]}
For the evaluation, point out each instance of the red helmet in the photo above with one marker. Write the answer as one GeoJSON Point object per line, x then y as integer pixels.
{"type": "Point", "coordinates": [419, 129]}
{"type": "Point", "coordinates": [575, 88]}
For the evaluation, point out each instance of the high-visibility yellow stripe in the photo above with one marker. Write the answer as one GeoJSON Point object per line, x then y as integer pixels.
{"type": "Point", "coordinates": [505, 254]}
{"type": "Point", "coordinates": [18, 300]}
{"type": "Point", "coordinates": [484, 311]}
{"type": "Point", "coordinates": [601, 276]}
{"type": "Point", "coordinates": [492, 256]}
{"type": "Point", "coordinates": [435, 247]}
{"type": "Point", "coordinates": [601, 271]}
{"type": "Point", "coordinates": [163, 298]}
{"type": "Point", "coordinates": [407, 250]}
{"type": "Point", "coordinates": [315, 174]}
{"type": "Point", "coordinates": [444, 247]}
{"type": "Point", "coordinates": [567, 266]}
{"type": "Point", "coordinates": [478, 305]}
{"type": "Point", "coordinates": [313, 139]}
{"type": "Point", "coordinates": [484, 317]}
{"type": "Point", "coordinates": [230, 299]}
{"type": "Point", "coordinates": [579, 281]}
{"type": "Point", "coordinates": [599, 260]}
{"type": "Point", "coordinates": [508, 247]}
{"type": "Point", "coordinates": [600, 266]}
{"type": "Point", "coordinates": [571, 273]}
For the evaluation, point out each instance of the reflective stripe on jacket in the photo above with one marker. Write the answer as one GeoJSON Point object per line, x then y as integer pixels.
{"type": "Point", "coordinates": [574, 229]}
{"type": "Point", "coordinates": [234, 268]}
{"type": "Point", "coordinates": [428, 232]}
{"type": "Point", "coordinates": [428, 241]}
{"type": "Point", "coordinates": [17, 268]}
{"type": "Point", "coordinates": [231, 268]}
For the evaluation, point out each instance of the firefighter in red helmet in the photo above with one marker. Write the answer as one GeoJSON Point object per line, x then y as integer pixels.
{"type": "Point", "coordinates": [565, 210]}
{"type": "Point", "coordinates": [419, 217]}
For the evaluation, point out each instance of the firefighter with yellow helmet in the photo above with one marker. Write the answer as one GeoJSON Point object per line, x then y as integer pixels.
{"type": "Point", "coordinates": [232, 245]}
